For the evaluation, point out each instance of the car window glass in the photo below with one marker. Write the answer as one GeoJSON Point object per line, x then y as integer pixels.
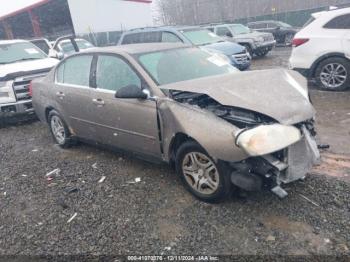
{"type": "Point", "coordinates": [59, 73]}
{"type": "Point", "coordinates": [340, 22]}
{"type": "Point", "coordinates": [168, 37]}
{"type": "Point", "coordinates": [76, 71]}
{"type": "Point", "coordinates": [222, 31]}
{"type": "Point", "coordinates": [271, 25]}
{"type": "Point", "coordinates": [151, 37]}
{"type": "Point", "coordinates": [195, 63]}
{"type": "Point", "coordinates": [131, 39]}
{"type": "Point", "coordinates": [113, 73]}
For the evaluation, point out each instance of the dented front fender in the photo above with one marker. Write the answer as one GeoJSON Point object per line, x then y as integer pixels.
{"type": "Point", "coordinates": [214, 134]}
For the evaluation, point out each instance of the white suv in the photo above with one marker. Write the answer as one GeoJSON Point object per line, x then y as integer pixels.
{"type": "Point", "coordinates": [321, 50]}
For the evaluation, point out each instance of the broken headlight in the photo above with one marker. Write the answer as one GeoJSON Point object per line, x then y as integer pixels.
{"type": "Point", "coordinates": [267, 139]}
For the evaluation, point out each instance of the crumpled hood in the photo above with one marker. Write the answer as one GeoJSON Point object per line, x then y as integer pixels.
{"type": "Point", "coordinates": [278, 93]}
{"type": "Point", "coordinates": [22, 68]}
{"type": "Point", "coordinates": [226, 48]}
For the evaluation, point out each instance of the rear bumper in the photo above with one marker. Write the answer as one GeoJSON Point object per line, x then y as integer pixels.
{"type": "Point", "coordinates": [305, 72]}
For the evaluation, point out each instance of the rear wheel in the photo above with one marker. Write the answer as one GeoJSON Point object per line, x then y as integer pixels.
{"type": "Point", "coordinates": [333, 74]}
{"type": "Point", "coordinates": [59, 130]}
{"type": "Point", "coordinates": [202, 176]}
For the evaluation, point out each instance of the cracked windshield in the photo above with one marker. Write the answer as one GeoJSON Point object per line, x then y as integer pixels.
{"type": "Point", "coordinates": [174, 130]}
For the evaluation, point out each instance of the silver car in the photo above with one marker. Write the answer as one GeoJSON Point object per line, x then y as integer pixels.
{"type": "Point", "coordinates": [219, 127]}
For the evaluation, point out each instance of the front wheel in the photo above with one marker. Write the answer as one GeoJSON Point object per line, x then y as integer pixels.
{"type": "Point", "coordinates": [333, 74]}
{"type": "Point", "coordinates": [262, 53]}
{"type": "Point", "coordinates": [202, 176]}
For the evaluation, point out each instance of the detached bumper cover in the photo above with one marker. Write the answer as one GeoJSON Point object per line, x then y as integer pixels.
{"type": "Point", "coordinates": [301, 157]}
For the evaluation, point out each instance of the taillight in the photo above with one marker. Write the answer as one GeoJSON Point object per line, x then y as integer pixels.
{"type": "Point", "coordinates": [299, 41]}
{"type": "Point", "coordinates": [30, 89]}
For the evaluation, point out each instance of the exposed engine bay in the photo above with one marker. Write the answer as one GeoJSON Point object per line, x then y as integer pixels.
{"type": "Point", "coordinates": [283, 166]}
{"type": "Point", "coordinates": [239, 117]}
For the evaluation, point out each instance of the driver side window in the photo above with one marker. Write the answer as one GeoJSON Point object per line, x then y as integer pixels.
{"type": "Point", "coordinates": [113, 73]}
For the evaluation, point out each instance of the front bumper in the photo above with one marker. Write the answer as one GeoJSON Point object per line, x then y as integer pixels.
{"type": "Point", "coordinates": [24, 107]}
{"type": "Point", "coordinates": [286, 166]}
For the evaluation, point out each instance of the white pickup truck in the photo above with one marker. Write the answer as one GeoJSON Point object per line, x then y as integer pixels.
{"type": "Point", "coordinates": [20, 63]}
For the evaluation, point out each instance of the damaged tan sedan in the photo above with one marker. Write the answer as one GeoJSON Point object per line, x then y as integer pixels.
{"type": "Point", "coordinates": [220, 128]}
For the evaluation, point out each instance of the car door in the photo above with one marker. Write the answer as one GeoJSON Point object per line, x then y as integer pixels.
{"type": "Point", "coordinates": [129, 124]}
{"type": "Point", "coordinates": [73, 94]}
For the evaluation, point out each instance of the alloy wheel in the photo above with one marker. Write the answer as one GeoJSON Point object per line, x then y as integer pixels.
{"type": "Point", "coordinates": [58, 130]}
{"type": "Point", "coordinates": [200, 173]}
{"type": "Point", "coordinates": [333, 75]}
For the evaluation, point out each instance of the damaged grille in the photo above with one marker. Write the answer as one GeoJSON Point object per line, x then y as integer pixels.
{"type": "Point", "coordinates": [241, 58]}
{"type": "Point", "coordinates": [239, 117]}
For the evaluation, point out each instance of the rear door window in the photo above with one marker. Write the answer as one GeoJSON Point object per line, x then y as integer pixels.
{"type": "Point", "coordinates": [75, 71]}
{"type": "Point", "coordinates": [113, 73]}
{"type": "Point", "coordinates": [340, 22]}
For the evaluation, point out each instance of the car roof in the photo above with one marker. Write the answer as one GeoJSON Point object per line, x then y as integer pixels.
{"type": "Point", "coordinates": [264, 21]}
{"type": "Point", "coordinates": [161, 28]}
{"type": "Point", "coordinates": [7, 42]}
{"type": "Point", "coordinates": [138, 48]}
{"type": "Point", "coordinates": [331, 13]}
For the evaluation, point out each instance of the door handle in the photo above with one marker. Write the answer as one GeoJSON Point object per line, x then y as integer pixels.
{"type": "Point", "coordinates": [98, 101]}
{"type": "Point", "coordinates": [60, 95]}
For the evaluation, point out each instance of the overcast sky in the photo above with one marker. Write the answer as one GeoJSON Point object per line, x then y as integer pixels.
{"type": "Point", "coordinates": [9, 6]}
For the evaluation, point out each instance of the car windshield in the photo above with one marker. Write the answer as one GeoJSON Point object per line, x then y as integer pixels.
{"type": "Point", "coordinates": [240, 29]}
{"type": "Point", "coordinates": [201, 37]}
{"type": "Point", "coordinates": [68, 47]}
{"type": "Point", "coordinates": [282, 24]}
{"type": "Point", "coordinates": [15, 52]}
{"type": "Point", "coordinates": [183, 64]}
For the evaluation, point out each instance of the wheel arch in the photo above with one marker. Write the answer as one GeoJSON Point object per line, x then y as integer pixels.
{"type": "Point", "coordinates": [324, 57]}
{"type": "Point", "coordinates": [47, 112]}
{"type": "Point", "coordinates": [177, 140]}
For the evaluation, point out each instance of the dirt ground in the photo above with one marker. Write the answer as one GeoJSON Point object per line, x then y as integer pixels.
{"type": "Point", "coordinates": [156, 215]}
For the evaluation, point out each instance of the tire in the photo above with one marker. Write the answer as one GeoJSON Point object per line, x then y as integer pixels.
{"type": "Point", "coordinates": [339, 80]}
{"type": "Point", "coordinates": [57, 125]}
{"type": "Point", "coordinates": [288, 39]}
{"type": "Point", "coordinates": [215, 177]}
{"type": "Point", "coordinates": [262, 53]}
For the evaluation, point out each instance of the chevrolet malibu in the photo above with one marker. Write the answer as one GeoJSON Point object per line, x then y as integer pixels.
{"type": "Point", "coordinates": [220, 128]}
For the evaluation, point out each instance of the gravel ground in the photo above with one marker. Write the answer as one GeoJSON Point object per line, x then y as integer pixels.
{"type": "Point", "coordinates": [156, 215]}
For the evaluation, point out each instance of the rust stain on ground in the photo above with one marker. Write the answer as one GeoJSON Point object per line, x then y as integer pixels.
{"type": "Point", "coordinates": [334, 165]}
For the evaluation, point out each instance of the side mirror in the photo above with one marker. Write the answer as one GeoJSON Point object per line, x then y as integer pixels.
{"type": "Point", "coordinates": [54, 54]}
{"type": "Point", "coordinates": [131, 91]}
{"type": "Point", "coordinates": [229, 34]}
